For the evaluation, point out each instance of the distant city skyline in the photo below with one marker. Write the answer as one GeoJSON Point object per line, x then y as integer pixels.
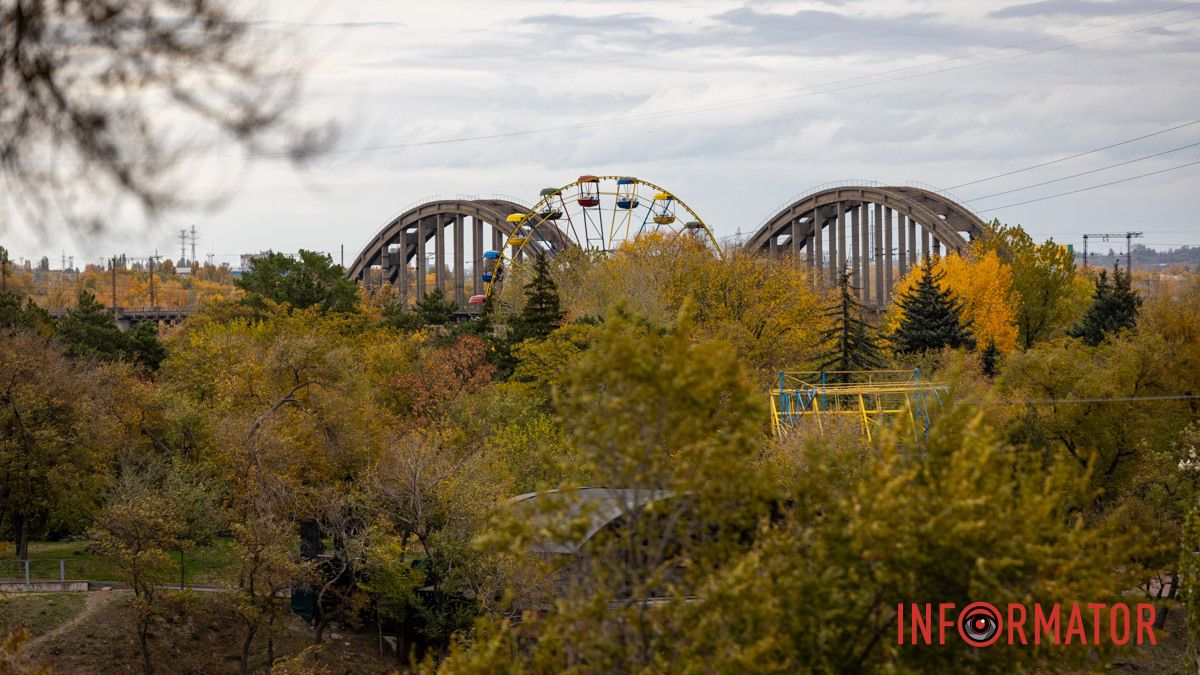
{"type": "Point", "coordinates": [735, 106]}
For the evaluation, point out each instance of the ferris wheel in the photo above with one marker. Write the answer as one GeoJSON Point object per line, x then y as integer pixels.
{"type": "Point", "coordinates": [593, 213]}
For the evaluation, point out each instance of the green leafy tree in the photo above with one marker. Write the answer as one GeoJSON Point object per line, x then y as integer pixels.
{"type": "Point", "coordinates": [847, 344]}
{"type": "Point", "coordinates": [542, 313]}
{"type": "Point", "coordinates": [932, 318]}
{"type": "Point", "coordinates": [435, 309]}
{"type": "Point", "coordinates": [1050, 292]}
{"type": "Point", "coordinates": [310, 279]}
{"type": "Point", "coordinates": [1114, 308]}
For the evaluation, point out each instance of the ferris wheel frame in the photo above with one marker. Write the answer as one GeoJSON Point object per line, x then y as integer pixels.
{"type": "Point", "coordinates": [538, 229]}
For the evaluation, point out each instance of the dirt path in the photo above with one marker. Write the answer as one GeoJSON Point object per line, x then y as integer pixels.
{"type": "Point", "coordinates": [92, 603]}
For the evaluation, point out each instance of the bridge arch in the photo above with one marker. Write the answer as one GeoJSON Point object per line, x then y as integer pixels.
{"type": "Point", "coordinates": [443, 228]}
{"type": "Point", "coordinates": [876, 232]}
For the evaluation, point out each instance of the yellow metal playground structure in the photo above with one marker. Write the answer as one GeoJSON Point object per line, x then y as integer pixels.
{"type": "Point", "coordinates": [813, 400]}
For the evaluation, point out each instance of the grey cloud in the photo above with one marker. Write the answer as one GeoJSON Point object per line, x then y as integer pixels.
{"type": "Point", "coordinates": [1080, 8]}
{"type": "Point", "coordinates": [833, 32]}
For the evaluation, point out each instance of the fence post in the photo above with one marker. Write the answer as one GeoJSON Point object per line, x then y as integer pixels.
{"type": "Point", "coordinates": [62, 570]}
{"type": "Point", "coordinates": [26, 572]}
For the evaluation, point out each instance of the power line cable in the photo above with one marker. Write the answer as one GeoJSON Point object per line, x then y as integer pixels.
{"type": "Point", "coordinates": [1074, 156]}
{"type": "Point", "coordinates": [1092, 187]}
{"type": "Point", "coordinates": [1085, 173]}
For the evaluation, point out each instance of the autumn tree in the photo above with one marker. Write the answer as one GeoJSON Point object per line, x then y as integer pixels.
{"type": "Point", "coordinates": [138, 528]}
{"type": "Point", "coordinates": [58, 434]}
{"type": "Point", "coordinates": [1114, 308]}
{"type": "Point", "coordinates": [848, 343]}
{"type": "Point", "coordinates": [930, 317]}
{"type": "Point", "coordinates": [665, 423]}
{"type": "Point", "coordinates": [766, 308]}
{"type": "Point", "coordinates": [1051, 295]}
{"type": "Point", "coordinates": [309, 279]}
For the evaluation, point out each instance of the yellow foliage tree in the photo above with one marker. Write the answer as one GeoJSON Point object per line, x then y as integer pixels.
{"type": "Point", "coordinates": [984, 284]}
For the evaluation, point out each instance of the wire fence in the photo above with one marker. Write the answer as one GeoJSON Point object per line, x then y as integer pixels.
{"type": "Point", "coordinates": [45, 569]}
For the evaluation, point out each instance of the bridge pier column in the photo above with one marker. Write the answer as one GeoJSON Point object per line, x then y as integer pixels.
{"type": "Point", "coordinates": [439, 256]}
{"type": "Point", "coordinates": [477, 245]}
{"type": "Point", "coordinates": [887, 256]}
{"type": "Point", "coordinates": [840, 242]}
{"type": "Point", "coordinates": [460, 281]}
{"type": "Point", "coordinates": [913, 260]}
{"type": "Point", "coordinates": [925, 251]}
{"type": "Point", "coordinates": [901, 242]}
{"type": "Point", "coordinates": [818, 235]}
{"type": "Point", "coordinates": [865, 292]}
{"type": "Point", "coordinates": [937, 248]}
{"type": "Point", "coordinates": [796, 242]}
{"type": "Point", "coordinates": [402, 278]}
{"type": "Point", "coordinates": [856, 261]}
{"type": "Point", "coordinates": [809, 243]}
{"type": "Point", "coordinates": [421, 235]}
{"type": "Point", "coordinates": [879, 254]}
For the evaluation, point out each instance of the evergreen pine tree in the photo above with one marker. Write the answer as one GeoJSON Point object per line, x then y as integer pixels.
{"type": "Point", "coordinates": [932, 317]}
{"type": "Point", "coordinates": [89, 329]}
{"type": "Point", "coordinates": [542, 313]}
{"type": "Point", "coordinates": [435, 309]}
{"type": "Point", "coordinates": [847, 344]}
{"type": "Point", "coordinates": [989, 359]}
{"type": "Point", "coordinates": [1114, 308]}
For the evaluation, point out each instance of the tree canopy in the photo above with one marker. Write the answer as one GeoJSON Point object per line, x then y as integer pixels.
{"type": "Point", "coordinates": [309, 279]}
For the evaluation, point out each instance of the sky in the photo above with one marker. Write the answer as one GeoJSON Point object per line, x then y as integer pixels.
{"type": "Point", "coordinates": [737, 107]}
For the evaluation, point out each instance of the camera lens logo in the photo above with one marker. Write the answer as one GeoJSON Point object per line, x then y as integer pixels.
{"type": "Point", "coordinates": [979, 624]}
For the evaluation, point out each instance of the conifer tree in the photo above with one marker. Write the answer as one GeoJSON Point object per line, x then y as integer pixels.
{"type": "Point", "coordinates": [88, 329]}
{"type": "Point", "coordinates": [989, 359]}
{"type": "Point", "coordinates": [847, 344]}
{"type": "Point", "coordinates": [1114, 308]}
{"type": "Point", "coordinates": [932, 317]}
{"type": "Point", "coordinates": [542, 313]}
{"type": "Point", "coordinates": [435, 308]}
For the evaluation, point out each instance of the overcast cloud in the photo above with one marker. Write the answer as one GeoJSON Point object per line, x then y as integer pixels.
{"type": "Point", "coordinates": [735, 106]}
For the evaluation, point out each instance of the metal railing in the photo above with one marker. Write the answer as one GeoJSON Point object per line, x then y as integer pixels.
{"type": "Point", "coordinates": [28, 571]}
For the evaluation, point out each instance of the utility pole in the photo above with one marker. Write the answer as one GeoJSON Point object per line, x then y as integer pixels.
{"type": "Point", "coordinates": [1129, 237]}
{"type": "Point", "coordinates": [193, 246]}
{"type": "Point", "coordinates": [153, 300]}
{"type": "Point", "coordinates": [114, 285]}
{"type": "Point", "coordinates": [183, 246]}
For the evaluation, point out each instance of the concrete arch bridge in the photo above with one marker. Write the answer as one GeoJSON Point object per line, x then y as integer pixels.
{"type": "Point", "coordinates": [876, 232]}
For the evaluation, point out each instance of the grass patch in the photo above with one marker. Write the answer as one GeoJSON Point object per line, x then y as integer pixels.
{"type": "Point", "coordinates": [205, 565]}
{"type": "Point", "coordinates": [38, 612]}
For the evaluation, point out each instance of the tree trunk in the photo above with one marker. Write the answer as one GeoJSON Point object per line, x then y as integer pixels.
{"type": "Point", "coordinates": [1160, 616]}
{"type": "Point", "coordinates": [144, 643]}
{"type": "Point", "coordinates": [23, 539]}
{"type": "Point", "coordinates": [246, 649]}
